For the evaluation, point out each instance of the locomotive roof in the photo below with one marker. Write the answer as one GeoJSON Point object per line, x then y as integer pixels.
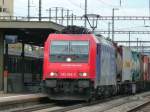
{"type": "Point", "coordinates": [102, 40]}
{"type": "Point", "coordinates": [98, 39]}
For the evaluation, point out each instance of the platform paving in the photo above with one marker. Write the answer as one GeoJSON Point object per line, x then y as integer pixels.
{"type": "Point", "coordinates": [2, 94]}
{"type": "Point", "coordinates": [13, 99]}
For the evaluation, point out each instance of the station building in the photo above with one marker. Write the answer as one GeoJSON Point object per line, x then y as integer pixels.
{"type": "Point", "coordinates": [6, 7]}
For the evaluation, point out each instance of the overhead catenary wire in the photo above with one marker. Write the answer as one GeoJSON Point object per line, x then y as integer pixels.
{"type": "Point", "coordinates": [76, 5]}
{"type": "Point", "coordinates": [126, 28]}
{"type": "Point", "coordinates": [107, 4]}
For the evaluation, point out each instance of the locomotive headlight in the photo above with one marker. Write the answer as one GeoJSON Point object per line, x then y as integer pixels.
{"type": "Point", "coordinates": [83, 74]}
{"type": "Point", "coordinates": [53, 74]}
{"type": "Point", "coordinates": [68, 59]}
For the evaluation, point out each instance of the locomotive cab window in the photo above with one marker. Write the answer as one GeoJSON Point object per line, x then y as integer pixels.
{"type": "Point", "coordinates": [69, 51]}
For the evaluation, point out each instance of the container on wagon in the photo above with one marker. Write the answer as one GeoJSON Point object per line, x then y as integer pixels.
{"type": "Point", "coordinates": [136, 65]}
{"type": "Point", "coordinates": [145, 68]}
{"type": "Point", "coordinates": [106, 64]}
{"type": "Point", "coordinates": [118, 62]}
{"type": "Point", "coordinates": [127, 64]}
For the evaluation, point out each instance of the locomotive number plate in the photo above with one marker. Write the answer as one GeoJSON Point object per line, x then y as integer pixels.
{"type": "Point", "coordinates": [67, 74]}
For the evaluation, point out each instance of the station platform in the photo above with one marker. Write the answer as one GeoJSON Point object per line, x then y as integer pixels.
{"type": "Point", "coordinates": [10, 100]}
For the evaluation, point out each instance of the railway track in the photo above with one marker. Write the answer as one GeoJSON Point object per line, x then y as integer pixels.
{"type": "Point", "coordinates": [134, 105]}
{"type": "Point", "coordinates": [34, 108]}
{"type": "Point", "coordinates": [115, 104]}
{"type": "Point", "coordinates": [144, 108]}
{"type": "Point", "coordinates": [108, 104]}
{"type": "Point", "coordinates": [140, 107]}
{"type": "Point", "coordinates": [54, 107]}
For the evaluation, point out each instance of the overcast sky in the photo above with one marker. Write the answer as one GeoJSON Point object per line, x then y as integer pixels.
{"type": "Point", "coordinates": [101, 7]}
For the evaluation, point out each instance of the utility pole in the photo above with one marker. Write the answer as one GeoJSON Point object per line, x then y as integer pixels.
{"type": "Point", "coordinates": [113, 22]}
{"type": "Point", "coordinates": [40, 7]}
{"type": "Point", "coordinates": [120, 3]}
{"type": "Point", "coordinates": [85, 23]}
{"type": "Point", "coordinates": [62, 15]}
{"type": "Point", "coordinates": [142, 49]}
{"type": "Point", "coordinates": [67, 17]}
{"type": "Point", "coordinates": [72, 18]}
{"type": "Point", "coordinates": [109, 23]}
{"type": "Point", "coordinates": [140, 46]}
{"type": "Point", "coordinates": [28, 10]}
{"type": "Point", "coordinates": [49, 14]}
{"type": "Point", "coordinates": [137, 44]}
{"type": "Point", "coordinates": [129, 39]}
{"type": "Point", "coordinates": [56, 14]}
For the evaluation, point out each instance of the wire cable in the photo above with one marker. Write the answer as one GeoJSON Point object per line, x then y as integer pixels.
{"type": "Point", "coordinates": [107, 4]}
{"type": "Point", "coordinates": [76, 5]}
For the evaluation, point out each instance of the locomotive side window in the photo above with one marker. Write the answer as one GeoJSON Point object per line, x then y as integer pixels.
{"type": "Point", "coordinates": [69, 51]}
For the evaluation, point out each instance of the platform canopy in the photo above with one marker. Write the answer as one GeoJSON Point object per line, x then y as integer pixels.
{"type": "Point", "coordinates": [34, 33]}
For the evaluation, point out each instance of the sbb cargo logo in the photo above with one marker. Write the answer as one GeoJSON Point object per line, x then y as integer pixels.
{"type": "Point", "coordinates": [68, 74]}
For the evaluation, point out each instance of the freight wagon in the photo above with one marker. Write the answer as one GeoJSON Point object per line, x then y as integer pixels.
{"type": "Point", "coordinates": [146, 71]}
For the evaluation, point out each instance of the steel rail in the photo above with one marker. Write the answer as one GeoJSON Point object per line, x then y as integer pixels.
{"type": "Point", "coordinates": [73, 107]}
{"type": "Point", "coordinates": [34, 108]}
{"type": "Point", "coordinates": [139, 107]}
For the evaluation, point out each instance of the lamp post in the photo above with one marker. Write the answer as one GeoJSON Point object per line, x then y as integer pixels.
{"type": "Point", "coordinates": [113, 22]}
{"type": "Point", "coordinates": [120, 3]}
{"type": "Point", "coordinates": [109, 23]}
{"type": "Point", "coordinates": [129, 38]}
{"type": "Point", "coordinates": [137, 43]}
{"type": "Point", "coordinates": [85, 13]}
{"type": "Point", "coordinates": [40, 10]}
{"type": "Point", "coordinates": [28, 10]}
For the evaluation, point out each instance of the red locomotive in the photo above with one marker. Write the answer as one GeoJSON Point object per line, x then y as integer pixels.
{"type": "Point", "coordinates": [83, 66]}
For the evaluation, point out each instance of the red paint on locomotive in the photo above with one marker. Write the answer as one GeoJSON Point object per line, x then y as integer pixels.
{"type": "Point", "coordinates": [70, 70]}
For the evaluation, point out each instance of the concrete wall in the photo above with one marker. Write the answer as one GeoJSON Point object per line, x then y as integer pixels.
{"type": "Point", "coordinates": [1, 60]}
